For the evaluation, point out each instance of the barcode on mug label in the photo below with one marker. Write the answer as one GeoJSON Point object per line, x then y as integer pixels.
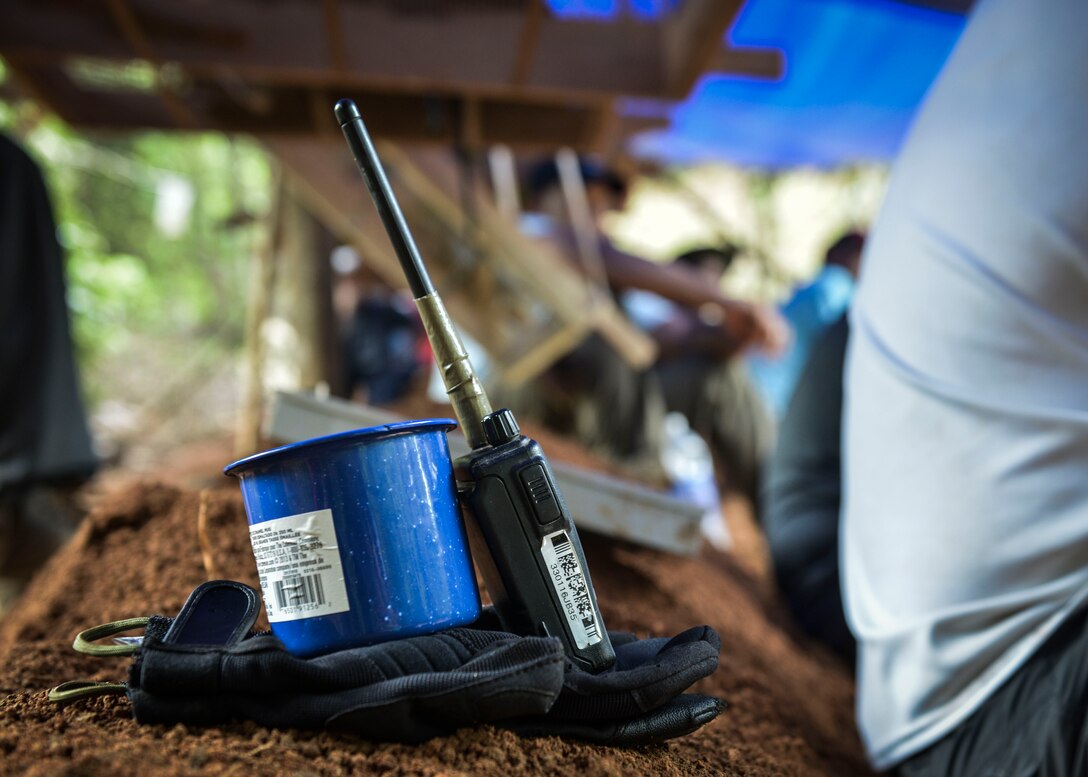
{"type": "Point", "coordinates": [298, 561]}
{"type": "Point", "coordinates": [569, 581]}
{"type": "Point", "coordinates": [299, 589]}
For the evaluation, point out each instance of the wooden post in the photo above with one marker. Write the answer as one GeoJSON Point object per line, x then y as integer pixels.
{"type": "Point", "coordinates": [330, 343]}
{"type": "Point", "coordinates": [262, 281]}
{"type": "Point", "coordinates": [290, 332]}
{"type": "Point", "coordinates": [297, 335]}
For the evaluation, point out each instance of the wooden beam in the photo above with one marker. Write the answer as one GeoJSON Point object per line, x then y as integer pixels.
{"type": "Point", "coordinates": [535, 276]}
{"type": "Point", "coordinates": [300, 294]}
{"type": "Point", "coordinates": [755, 62]}
{"type": "Point", "coordinates": [692, 39]}
{"type": "Point", "coordinates": [470, 49]}
{"type": "Point", "coordinates": [616, 133]}
{"type": "Point", "coordinates": [605, 124]}
{"type": "Point", "coordinates": [527, 358]}
{"type": "Point", "coordinates": [948, 6]}
{"type": "Point", "coordinates": [273, 76]}
{"type": "Point", "coordinates": [321, 111]}
{"type": "Point", "coordinates": [25, 81]}
{"type": "Point", "coordinates": [527, 42]}
{"type": "Point", "coordinates": [471, 135]}
{"type": "Point", "coordinates": [48, 87]}
{"type": "Point", "coordinates": [278, 98]}
{"type": "Point", "coordinates": [161, 22]}
{"type": "Point", "coordinates": [334, 35]}
{"type": "Point", "coordinates": [541, 269]}
{"type": "Point", "coordinates": [325, 175]}
{"type": "Point", "coordinates": [504, 180]}
{"type": "Point", "coordinates": [255, 99]}
{"type": "Point", "coordinates": [130, 29]}
{"type": "Point", "coordinates": [600, 59]}
{"type": "Point", "coordinates": [263, 264]}
{"type": "Point", "coordinates": [342, 207]}
{"type": "Point", "coordinates": [531, 126]}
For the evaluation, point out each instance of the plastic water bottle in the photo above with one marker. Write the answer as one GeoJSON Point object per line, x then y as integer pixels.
{"type": "Point", "coordinates": [689, 466]}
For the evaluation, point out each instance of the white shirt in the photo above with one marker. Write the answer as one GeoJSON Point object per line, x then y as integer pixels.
{"type": "Point", "coordinates": [965, 535]}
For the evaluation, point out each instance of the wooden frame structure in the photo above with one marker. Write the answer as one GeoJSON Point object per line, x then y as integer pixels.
{"type": "Point", "coordinates": [476, 72]}
{"type": "Point", "coordinates": [517, 297]}
{"type": "Point", "coordinates": [469, 73]}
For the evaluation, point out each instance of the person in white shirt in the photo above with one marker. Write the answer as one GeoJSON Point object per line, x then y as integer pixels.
{"type": "Point", "coordinates": [965, 529]}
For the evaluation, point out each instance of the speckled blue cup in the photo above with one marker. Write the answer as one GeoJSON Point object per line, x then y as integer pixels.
{"type": "Point", "coordinates": [358, 537]}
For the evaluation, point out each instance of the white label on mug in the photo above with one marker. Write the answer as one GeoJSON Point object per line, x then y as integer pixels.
{"type": "Point", "coordinates": [570, 585]}
{"type": "Point", "coordinates": [298, 561]}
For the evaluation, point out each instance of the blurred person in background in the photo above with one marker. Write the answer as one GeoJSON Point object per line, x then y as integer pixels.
{"type": "Point", "coordinates": [810, 311]}
{"type": "Point", "coordinates": [45, 445]}
{"type": "Point", "coordinates": [671, 323]}
{"type": "Point", "coordinates": [965, 529]}
{"type": "Point", "coordinates": [700, 376]}
{"type": "Point", "coordinates": [801, 504]}
{"type": "Point", "coordinates": [384, 344]}
{"type": "Point", "coordinates": [592, 393]}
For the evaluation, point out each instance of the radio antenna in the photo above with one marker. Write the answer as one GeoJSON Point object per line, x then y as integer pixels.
{"type": "Point", "coordinates": [466, 393]}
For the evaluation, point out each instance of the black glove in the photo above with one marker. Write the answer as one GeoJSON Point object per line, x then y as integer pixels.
{"type": "Point", "coordinates": [204, 668]}
{"type": "Point", "coordinates": [640, 699]}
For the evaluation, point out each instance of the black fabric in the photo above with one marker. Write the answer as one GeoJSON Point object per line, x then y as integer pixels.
{"type": "Point", "coordinates": [803, 494]}
{"type": "Point", "coordinates": [413, 689]}
{"type": "Point", "coordinates": [596, 396]}
{"type": "Point", "coordinates": [381, 350]}
{"type": "Point", "coordinates": [647, 674]}
{"type": "Point", "coordinates": [1035, 725]}
{"type": "Point", "coordinates": [43, 427]}
{"type": "Point", "coordinates": [678, 717]}
{"type": "Point", "coordinates": [640, 700]}
{"type": "Point", "coordinates": [408, 690]}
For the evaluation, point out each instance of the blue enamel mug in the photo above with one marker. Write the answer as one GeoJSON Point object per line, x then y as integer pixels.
{"type": "Point", "coordinates": [358, 537]}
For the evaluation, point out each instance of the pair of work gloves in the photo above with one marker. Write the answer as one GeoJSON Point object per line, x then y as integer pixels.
{"type": "Point", "coordinates": [206, 667]}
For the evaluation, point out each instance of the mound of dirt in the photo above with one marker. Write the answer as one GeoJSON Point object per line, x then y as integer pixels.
{"type": "Point", "coordinates": [139, 552]}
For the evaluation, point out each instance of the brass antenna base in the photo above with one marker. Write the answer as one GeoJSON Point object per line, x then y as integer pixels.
{"type": "Point", "coordinates": [466, 393]}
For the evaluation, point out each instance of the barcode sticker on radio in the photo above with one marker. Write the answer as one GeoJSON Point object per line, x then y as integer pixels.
{"type": "Point", "coordinates": [299, 565]}
{"type": "Point", "coordinates": [570, 584]}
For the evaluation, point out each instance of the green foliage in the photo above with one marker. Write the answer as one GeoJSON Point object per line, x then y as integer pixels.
{"type": "Point", "coordinates": [128, 279]}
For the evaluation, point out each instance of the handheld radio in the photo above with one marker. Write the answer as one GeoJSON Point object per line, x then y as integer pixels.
{"type": "Point", "coordinates": [522, 535]}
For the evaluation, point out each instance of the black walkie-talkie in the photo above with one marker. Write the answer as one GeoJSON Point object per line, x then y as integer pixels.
{"type": "Point", "coordinates": [522, 534]}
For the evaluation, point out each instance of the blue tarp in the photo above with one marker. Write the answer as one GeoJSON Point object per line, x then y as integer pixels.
{"type": "Point", "coordinates": [856, 71]}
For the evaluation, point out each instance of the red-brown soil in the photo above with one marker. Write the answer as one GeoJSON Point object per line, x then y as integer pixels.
{"type": "Point", "coordinates": [139, 553]}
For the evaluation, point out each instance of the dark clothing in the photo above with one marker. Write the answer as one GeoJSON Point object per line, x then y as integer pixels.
{"type": "Point", "coordinates": [803, 495]}
{"type": "Point", "coordinates": [1035, 725]}
{"type": "Point", "coordinates": [45, 446]}
{"type": "Point", "coordinates": [414, 689]}
{"type": "Point", "coordinates": [606, 403]}
{"type": "Point", "coordinates": [43, 427]}
{"type": "Point", "coordinates": [382, 353]}
{"type": "Point", "coordinates": [206, 667]}
{"type": "Point", "coordinates": [594, 395]}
